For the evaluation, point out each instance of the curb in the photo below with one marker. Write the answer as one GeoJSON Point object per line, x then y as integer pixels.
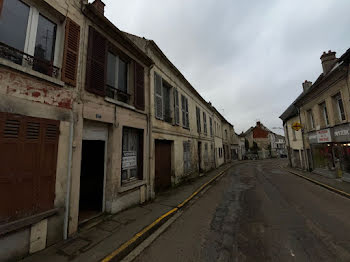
{"type": "Point", "coordinates": [138, 238]}
{"type": "Point", "coordinates": [342, 193]}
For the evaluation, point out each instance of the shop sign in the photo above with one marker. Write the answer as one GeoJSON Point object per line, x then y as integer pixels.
{"type": "Point", "coordinates": [342, 133]}
{"type": "Point", "coordinates": [129, 160]}
{"type": "Point", "coordinates": [313, 138]}
{"type": "Point", "coordinates": [324, 136]}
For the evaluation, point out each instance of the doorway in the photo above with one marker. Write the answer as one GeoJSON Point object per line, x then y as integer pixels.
{"type": "Point", "coordinates": [200, 157]}
{"type": "Point", "coordinates": [91, 179]}
{"type": "Point", "coordinates": [162, 178]}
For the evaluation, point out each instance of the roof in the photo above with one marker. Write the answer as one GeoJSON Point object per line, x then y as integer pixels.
{"type": "Point", "coordinates": [109, 28]}
{"type": "Point", "coordinates": [177, 71]}
{"type": "Point", "coordinates": [292, 109]}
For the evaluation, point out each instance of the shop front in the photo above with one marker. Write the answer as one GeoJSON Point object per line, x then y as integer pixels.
{"type": "Point", "coordinates": [330, 150]}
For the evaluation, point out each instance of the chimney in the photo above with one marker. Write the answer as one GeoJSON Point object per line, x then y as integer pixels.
{"type": "Point", "coordinates": [258, 124]}
{"type": "Point", "coordinates": [328, 61]}
{"type": "Point", "coordinates": [307, 85]}
{"type": "Point", "coordinates": [99, 6]}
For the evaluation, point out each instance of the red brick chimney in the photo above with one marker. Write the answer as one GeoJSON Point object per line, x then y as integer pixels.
{"type": "Point", "coordinates": [328, 61]}
{"type": "Point", "coordinates": [99, 6]}
{"type": "Point", "coordinates": [258, 123]}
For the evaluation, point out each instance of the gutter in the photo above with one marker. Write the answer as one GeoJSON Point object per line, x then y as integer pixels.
{"type": "Point", "coordinates": [69, 176]}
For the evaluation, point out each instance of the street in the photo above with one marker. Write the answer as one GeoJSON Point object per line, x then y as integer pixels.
{"type": "Point", "coordinates": [258, 212]}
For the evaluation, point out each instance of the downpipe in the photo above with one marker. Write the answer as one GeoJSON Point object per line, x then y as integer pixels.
{"type": "Point", "coordinates": [69, 175]}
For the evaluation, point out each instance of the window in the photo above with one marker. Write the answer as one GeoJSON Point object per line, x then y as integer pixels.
{"type": "Point", "coordinates": [226, 134]}
{"type": "Point", "coordinates": [206, 155]}
{"type": "Point", "coordinates": [339, 107]}
{"type": "Point", "coordinates": [176, 107]}
{"type": "Point", "coordinates": [167, 113]}
{"type": "Point", "coordinates": [132, 155]}
{"type": "Point", "coordinates": [324, 112]}
{"type": "Point", "coordinates": [117, 78]}
{"type": "Point", "coordinates": [198, 117]}
{"type": "Point", "coordinates": [162, 99]}
{"type": "Point", "coordinates": [215, 126]}
{"type": "Point", "coordinates": [205, 123]}
{"type": "Point", "coordinates": [26, 33]}
{"type": "Point", "coordinates": [187, 156]}
{"type": "Point", "coordinates": [184, 109]}
{"type": "Point", "coordinates": [311, 119]}
{"type": "Point", "coordinates": [211, 126]}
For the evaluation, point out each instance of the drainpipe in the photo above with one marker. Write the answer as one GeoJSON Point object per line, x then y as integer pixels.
{"type": "Point", "coordinates": [302, 136]}
{"type": "Point", "coordinates": [69, 175]}
{"type": "Point", "coordinates": [150, 119]}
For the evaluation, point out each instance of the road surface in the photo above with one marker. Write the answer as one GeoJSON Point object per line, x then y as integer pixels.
{"type": "Point", "coordinates": [258, 212]}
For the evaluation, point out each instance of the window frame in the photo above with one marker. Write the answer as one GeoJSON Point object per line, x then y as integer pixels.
{"type": "Point", "coordinates": [338, 98]}
{"type": "Point", "coordinates": [324, 113]}
{"type": "Point", "coordinates": [311, 120]}
{"type": "Point", "coordinates": [116, 90]}
{"type": "Point", "coordinates": [31, 34]}
{"type": "Point", "coordinates": [198, 118]}
{"type": "Point", "coordinates": [205, 128]}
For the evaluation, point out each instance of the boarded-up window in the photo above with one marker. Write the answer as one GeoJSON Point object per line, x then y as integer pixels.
{"type": "Point", "coordinates": [132, 155]}
{"type": "Point", "coordinates": [28, 159]}
{"type": "Point", "coordinates": [187, 156]}
{"type": "Point", "coordinates": [184, 109]}
{"type": "Point", "coordinates": [176, 107]}
{"type": "Point", "coordinates": [139, 87]}
{"type": "Point", "coordinates": [205, 123]}
{"type": "Point", "coordinates": [198, 117]}
{"type": "Point", "coordinates": [158, 97]}
{"type": "Point", "coordinates": [96, 63]}
{"type": "Point", "coordinates": [71, 53]}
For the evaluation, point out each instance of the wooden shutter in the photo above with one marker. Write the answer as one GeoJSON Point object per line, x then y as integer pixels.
{"type": "Point", "coordinates": [176, 107]}
{"type": "Point", "coordinates": [71, 53]}
{"type": "Point", "coordinates": [187, 116]}
{"type": "Point", "coordinates": [28, 157]}
{"type": "Point", "coordinates": [139, 86]}
{"type": "Point", "coordinates": [158, 97]}
{"type": "Point", "coordinates": [96, 63]}
{"type": "Point", "coordinates": [1, 5]}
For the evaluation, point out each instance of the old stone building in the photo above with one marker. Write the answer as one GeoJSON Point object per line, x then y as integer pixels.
{"type": "Point", "coordinates": [92, 121]}
{"type": "Point", "coordinates": [323, 111]}
{"type": "Point", "coordinates": [294, 139]}
{"type": "Point", "coordinates": [39, 79]}
{"type": "Point", "coordinates": [186, 131]}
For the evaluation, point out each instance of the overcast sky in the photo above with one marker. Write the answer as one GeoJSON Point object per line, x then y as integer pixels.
{"type": "Point", "coordinates": [249, 58]}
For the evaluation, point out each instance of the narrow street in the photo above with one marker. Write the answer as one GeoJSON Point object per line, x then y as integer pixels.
{"type": "Point", "coordinates": [258, 212]}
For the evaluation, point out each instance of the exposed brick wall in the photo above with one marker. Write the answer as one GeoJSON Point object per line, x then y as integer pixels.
{"type": "Point", "coordinates": [29, 88]}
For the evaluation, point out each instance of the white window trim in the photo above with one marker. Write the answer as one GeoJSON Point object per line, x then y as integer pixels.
{"type": "Point", "coordinates": [339, 98]}
{"type": "Point", "coordinates": [32, 28]}
{"type": "Point", "coordinates": [116, 79]}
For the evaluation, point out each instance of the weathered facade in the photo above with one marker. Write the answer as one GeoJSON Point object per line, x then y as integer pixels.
{"type": "Point", "coordinates": [184, 128]}
{"type": "Point", "coordinates": [323, 111]}
{"type": "Point", "coordinates": [92, 120]}
{"type": "Point", "coordinates": [39, 79]}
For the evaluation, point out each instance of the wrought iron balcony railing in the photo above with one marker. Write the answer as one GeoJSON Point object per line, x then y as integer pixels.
{"type": "Point", "coordinates": [21, 58]}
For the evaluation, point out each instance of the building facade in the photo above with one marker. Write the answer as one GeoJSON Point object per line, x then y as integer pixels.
{"type": "Point", "coordinates": [323, 111]}
{"type": "Point", "coordinates": [92, 121]}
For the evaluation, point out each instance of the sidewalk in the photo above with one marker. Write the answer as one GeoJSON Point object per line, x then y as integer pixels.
{"type": "Point", "coordinates": [332, 182]}
{"type": "Point", "coordinates": [101, 239]}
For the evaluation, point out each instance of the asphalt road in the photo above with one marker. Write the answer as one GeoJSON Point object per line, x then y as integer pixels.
{"type": "Point", "coordinates": [258, 212]}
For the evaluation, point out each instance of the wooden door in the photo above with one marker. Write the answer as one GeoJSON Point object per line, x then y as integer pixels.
{"type": "Point", "coordinates": [162, 165]}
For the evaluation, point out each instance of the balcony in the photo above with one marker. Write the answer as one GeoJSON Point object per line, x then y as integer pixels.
{"type": "Point", "coordinates": [20, 58]}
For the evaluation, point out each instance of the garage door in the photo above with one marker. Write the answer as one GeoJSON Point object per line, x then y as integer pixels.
{"type": "Point", "coordinates": [28, 158]}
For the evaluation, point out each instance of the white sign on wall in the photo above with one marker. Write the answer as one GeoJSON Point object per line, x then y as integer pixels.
{"type": "Point", "coordinates": [129, 160]}
{"type": "Point", "coordinates": [324, 136]}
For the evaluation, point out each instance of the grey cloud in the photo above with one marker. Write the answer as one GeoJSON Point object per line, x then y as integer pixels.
{"type": "Point", "coordinates": [247, 57]}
